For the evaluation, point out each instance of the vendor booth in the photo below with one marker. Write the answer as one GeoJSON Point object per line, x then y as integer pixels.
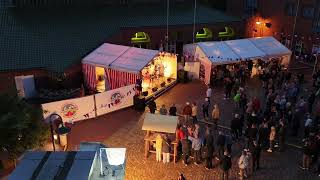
{"type": "Point", "coordinates": [156, 123]}
{"type": "Point", "coordinates": [112, 66]}
{"type": "Point", "coordinates": [211, 54]}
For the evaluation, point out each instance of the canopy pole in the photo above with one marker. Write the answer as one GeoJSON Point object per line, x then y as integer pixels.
{"type": "Point", "coordinates": [167, 32]}
{"type": "Point", "coordinates": [294, 24]}
{"type": "Point", "coordinates": [194, 20]}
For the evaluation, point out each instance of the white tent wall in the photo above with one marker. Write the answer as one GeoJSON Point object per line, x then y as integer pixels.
{"type": "Point", "coordinates": [188, 52]}
{"type": "Point", "coordinates": [205, 65]}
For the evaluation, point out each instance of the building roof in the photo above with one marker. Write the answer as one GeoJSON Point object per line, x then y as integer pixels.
{"type": "Point", "coordinates": [56, 39]}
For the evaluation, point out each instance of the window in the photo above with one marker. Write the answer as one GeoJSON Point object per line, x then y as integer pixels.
{"type": "Point", "coordinates": [251, 6]}
{"type": "Point", "coordinates": [291, 9]}
{"type": "Point", "coordinates": [307, 12]}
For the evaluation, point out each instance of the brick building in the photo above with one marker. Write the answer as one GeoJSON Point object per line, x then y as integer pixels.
{"type": "Point", "coordinates": [40, 41]}
{"type": "Point", "coordinates": [277, 18]}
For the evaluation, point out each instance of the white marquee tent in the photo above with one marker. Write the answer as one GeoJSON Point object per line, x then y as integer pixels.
{"type": "Point", "coordinates": [233, 51]}
{"type": "Point", "coordinates": [119, 65]}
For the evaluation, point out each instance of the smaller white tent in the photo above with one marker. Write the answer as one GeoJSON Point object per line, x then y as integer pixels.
{"type": "Point", "coordinates": [104, 55]}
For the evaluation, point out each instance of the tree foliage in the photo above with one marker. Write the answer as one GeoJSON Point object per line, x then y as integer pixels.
{"type": "Point", "coordinates": [21, 125]}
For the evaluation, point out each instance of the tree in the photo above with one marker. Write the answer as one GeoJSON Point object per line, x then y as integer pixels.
{"type": "Point", "coordinates": [21, 126]}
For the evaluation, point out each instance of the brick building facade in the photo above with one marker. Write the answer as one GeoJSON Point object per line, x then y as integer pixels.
{"type": "Point", "coordinates": [277, 18]}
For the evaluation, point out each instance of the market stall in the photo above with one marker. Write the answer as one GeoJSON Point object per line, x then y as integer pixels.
{"type": "Point", "coordinates": [211, 54]}
{"type": "Point", "coordinates": [156, 123]}
{"type": "Point", "coordinates": [112, 66]}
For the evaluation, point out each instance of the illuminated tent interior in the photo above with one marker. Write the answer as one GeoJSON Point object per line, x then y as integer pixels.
{"type": "Point", "coordinates": [122, 65]}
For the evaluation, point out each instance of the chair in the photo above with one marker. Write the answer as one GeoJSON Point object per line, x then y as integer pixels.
{"type": "Point", "coordinates": [228, 33]}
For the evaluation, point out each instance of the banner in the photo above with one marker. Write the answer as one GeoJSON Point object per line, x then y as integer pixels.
{"type": "Point", "coordinates": [115, 99]}
{"type": "Point", "coordinates": [70, 110]}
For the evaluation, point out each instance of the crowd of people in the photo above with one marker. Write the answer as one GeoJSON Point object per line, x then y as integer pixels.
{"type": "Point", "coordinates": [260, 123]}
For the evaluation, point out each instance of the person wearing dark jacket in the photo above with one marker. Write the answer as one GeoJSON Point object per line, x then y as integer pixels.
{"type": "Point", "coordinates": [235, 123]}
{"type": "Point", "coordinates": [253, 132]}
{"type": "Point", "coordinates": [221, 140]}
{"type": "Point", "coordinates": [173, 110]}
{"type": "Point", "coordinates": [152, 106]}
{"type": "Point", "coordinates": [282, 135]}
{"type": "Point", "coordinates": [256, 151]}
{"type": "Point", "coordinates": [264, 135]}
{"type": "Point", "coordinates": [225, 165]}
{"type": "Point", "coordinates": [311, 100]}
{"type": "Point", "coordinates": [208, 148]}
{"type": "Point", "coordinates": [185, 150]}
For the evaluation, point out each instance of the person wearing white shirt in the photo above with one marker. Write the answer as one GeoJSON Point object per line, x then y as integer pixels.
{"type": "Point", "coordinates": [209, 92]}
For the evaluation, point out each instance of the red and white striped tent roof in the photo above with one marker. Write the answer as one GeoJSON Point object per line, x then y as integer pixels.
{"type": "Point", "coordinates": [122, 58]}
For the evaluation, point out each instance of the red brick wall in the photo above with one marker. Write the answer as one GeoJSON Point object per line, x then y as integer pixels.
{"type": "Point", "coordinates": [273, 11]}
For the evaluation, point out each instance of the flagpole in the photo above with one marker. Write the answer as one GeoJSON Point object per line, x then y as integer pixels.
{"type": "Point", "coordinates": [294, 24]}
{"type": "Point", "coordinates": [194, 20]}
{"type": "Point", "coordinates": [167, 33]}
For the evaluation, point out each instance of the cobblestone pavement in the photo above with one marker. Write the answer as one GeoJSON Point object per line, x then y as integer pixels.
{"type": "Point", "coordinates": [110, 130]}
{"type": "Point", "coordinates": [274, 166]}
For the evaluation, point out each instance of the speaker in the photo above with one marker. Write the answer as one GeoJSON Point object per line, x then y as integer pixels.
{"type": "Point", "coordinates": [145, 93]}
{"type": "Point", "coordinates": [139, 103]}
{"type": "Point", "coordinates": [182, 76]}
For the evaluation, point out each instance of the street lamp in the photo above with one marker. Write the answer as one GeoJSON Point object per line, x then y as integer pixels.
{"type": "Point", "coordinates": [62, 130]}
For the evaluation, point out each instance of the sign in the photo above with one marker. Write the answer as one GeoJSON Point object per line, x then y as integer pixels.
{"type": "Point", "coordinates": [115, 99]}
{"type": "Point", "coordinates": [205, 66]}
{"type": "Point", "coordinates": [70, 110]}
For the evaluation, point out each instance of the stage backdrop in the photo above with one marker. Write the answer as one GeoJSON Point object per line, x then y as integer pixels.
{"type": "Point", "coordinates": [70, 110]}
{"type": "Point", "coordinates": [115, 99]}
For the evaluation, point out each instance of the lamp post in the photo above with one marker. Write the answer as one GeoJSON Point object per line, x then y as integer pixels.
{"type": "Point", "coordinates": [60, 130]}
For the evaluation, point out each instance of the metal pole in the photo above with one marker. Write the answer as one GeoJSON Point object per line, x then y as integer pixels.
{"type": "Point", "coordinates": [194, 20]}
{"type": "Point", "coordinates": [167, 33]}
{"type": "Point", "coordinates": [52, 138]}
{"type": "Point", "coordinates": [294, 24]}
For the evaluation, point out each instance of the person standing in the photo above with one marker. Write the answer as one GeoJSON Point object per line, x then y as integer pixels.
{"type": "Point", "coordinates": [256, 151]}
{"type": "Point", "coordinates": [205, 108]}
{"type": "Point", "coordinates": [196, 146]}
{"type": "Point", "coordinates": [235, 122]}
{"type": "Point", "coordinates": [152, 106]}
{"type": "Point", "coordinates": [173, 110]}
{"type": "Point", "coordinates": [158, 147]}
{"type": "Point", "coordinates": [209, 92]}
{"type": "Point", "coordinates": [187, 111]}
{"type": "Point", "coordinates": [208, 148]}
{"type": "Point", "coordinates": [307, 126]}
{"type": "Point", "coordinates": [221, 141]}
{"type": "Point", "coordinates": [225, 165]}
{"type": "Point", "coordinates": [282, 134]}
{"type": "Point", "coordinates": [215, 115]}
{"type": "Point", "coordinates": [194, 112]}
{"type": "Point", "coordinates": [243, 163]}
{"type": "Point", "coordinates": [163, 110]}
{"type": "Point", "coordinates": [272, 138]}
{"type": "Point", "coordinates": [166, 149]}
{"type": "Point", "coordinates": [185, 150]}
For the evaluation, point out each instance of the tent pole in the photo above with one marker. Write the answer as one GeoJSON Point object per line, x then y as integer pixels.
{"type": "Point", "coordinates": [167, 31]}
{"type": "Point", "coordinates": [194, 20]}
